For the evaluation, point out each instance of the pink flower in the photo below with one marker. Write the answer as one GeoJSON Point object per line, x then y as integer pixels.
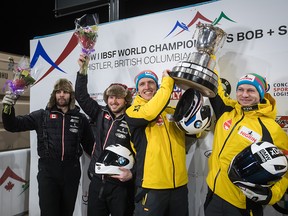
{"type": "Point", "coordinates": [86, 32]}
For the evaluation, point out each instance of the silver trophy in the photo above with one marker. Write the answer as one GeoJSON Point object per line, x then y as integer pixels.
{"type": "Point", "coordinates": [198, 71]}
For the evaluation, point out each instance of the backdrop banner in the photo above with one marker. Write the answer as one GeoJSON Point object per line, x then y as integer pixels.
{"type": "Point", "coordinates": [256, 42]}
{"type": "Point", "coordinates": [14, 182]}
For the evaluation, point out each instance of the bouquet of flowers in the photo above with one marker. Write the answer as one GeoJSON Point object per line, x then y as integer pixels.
{"type": "Point", "coordinates": [22, 80]}
{"type": "Point", "coordinates": [86, 28]}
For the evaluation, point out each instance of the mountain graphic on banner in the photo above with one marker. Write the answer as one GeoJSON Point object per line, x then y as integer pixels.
{"type": "Point", "coordinates": [9, 173]}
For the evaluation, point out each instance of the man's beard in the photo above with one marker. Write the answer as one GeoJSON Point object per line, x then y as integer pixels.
{"type": "Point", "coordinates": [62, 103]}
{"type": "Point", "coordinates": [120, 109]}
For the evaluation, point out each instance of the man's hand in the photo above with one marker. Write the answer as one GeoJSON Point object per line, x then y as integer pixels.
{"type": "Point", "coordinates": [10, 99]}
{"type": "Point", "coordinates": [255, 192]}
{"type": "Point", "coordinates": [83, 62]}
{"type": "Point", "coordinates": [165, 73]}
{"type": "Point", "coordinates": [125, 175]}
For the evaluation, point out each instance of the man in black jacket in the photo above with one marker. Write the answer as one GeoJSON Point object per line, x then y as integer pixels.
{"type": "Point", "coordinates": [62, 134]}
{"type": "Point", "coordinates": [108, 194]}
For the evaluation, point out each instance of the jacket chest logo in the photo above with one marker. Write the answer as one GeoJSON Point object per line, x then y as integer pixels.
{"type": "Point", "coordinates": [53, 116]}
{"type": "Point", "coordinates": [227, 124]}
{"type": "Point", "coordinates": [106, 116]}
{"type": "Point", "coordinates": [74, 124]}
{"type": "Point", "coordinates": [249, 134]}
{"type": "Point", "coordinates": [159, 120]}
{"type": "Point", "coordinates": [121, 133]}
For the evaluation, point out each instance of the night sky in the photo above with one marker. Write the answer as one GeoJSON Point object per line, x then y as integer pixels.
{"type": "Point", "coordinates": [20, 25]}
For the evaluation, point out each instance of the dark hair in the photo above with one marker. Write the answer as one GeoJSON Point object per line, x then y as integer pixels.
{"type": "Point", "coordinates": [119, 90]}
{"type": "Point", "coordinates": [65, 85]}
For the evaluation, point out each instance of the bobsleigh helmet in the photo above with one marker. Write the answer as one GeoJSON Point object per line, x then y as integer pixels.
{"type": "Point", "coordinates": [113, 157]}
{"type": "Point", "coordinates": [191, 115]}
{"type": "Point", "coordinates": [260, 163]}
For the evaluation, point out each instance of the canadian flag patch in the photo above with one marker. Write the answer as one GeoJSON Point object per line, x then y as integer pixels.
{"type": "Point", "coordinates": [107, 116]}
{"type": "Point", "coordinates": [53, 116]}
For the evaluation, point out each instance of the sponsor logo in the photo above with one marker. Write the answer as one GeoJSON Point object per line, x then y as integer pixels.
{"type": "Point", "coordinates": [74, 120]}
{"type": "Point", "coordinates": [124, 125]}
{"type": "Point", "coordinates": [227, 124]}
{"type": "Point", "coordinates": [207, 153]}
{"type": "Point", "coordinates": [120, 135]}
{"type": "Point", "coordinates": [180, 27]}
{"type": "Point", "coordinates": [122, 131]}
{"type": "Point", "coordinates": [249, 134]}
{"type": "Point", "coordinates": [74, 130]}
{"type": "Point", "coordinates": [283, 122]}
{"type": "Point", "coordinates": [226, 85]}
{"type": "Point", "coordinates": [40, 52]}
{"type": "Point", "coordinates": [136, 108]}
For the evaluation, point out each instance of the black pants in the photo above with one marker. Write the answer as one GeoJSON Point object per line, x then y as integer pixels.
{"type": "Point", "coordinates": [105, 198]}
{"type": "Point", "coordinates": [58, 184]}
{"type": "Point", "coordinates": [216, 206]}
{"type": "Point", "coordinates": [169, 202]}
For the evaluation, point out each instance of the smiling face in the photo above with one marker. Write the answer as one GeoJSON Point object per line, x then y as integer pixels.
{"type": "Point", "coordinates": [116, 104]}
{"type": "Point", "coordinates": [147, 88]}
{"type": "Point", "coordinates": [247, 95]}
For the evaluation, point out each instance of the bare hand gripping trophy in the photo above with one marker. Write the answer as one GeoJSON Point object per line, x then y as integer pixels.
{"type": "Point", "coordinates": [198, 71]}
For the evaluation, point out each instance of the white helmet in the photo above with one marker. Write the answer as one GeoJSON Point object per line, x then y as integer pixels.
{"type": "Point", "coordinates": [260, 163]}
{"type": "Point", "coordinates": [113, 157]}
{"type": "Point", "coordinates": [191, 115]}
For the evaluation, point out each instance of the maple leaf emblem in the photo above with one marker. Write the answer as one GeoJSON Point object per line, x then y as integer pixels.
{"type": "Point", "coordinates": [9, 186]}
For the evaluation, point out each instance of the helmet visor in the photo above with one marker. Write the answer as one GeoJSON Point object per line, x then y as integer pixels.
{"type": "Point", "coordinates": [247, 166]}
{"type": "Point", "coordinates": [110, 158]}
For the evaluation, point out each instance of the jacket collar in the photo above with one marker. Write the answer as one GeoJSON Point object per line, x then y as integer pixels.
{"type": "Point", "coordinates": [266, 108]}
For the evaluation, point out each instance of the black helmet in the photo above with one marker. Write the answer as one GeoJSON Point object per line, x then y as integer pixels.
{"type": "Point", "coordinates": [260, 163]}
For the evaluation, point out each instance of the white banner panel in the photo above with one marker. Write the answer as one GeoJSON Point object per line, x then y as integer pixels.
{"type": "Point", "coordinates": [14, 182]}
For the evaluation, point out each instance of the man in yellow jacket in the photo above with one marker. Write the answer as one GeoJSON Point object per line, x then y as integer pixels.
{"type": "Point", "coordinates": [161, 175]}
{"type": "Point", "coordinates": [241, 122]}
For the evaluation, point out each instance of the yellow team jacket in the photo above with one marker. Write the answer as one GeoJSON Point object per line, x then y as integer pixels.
{"type": "Point", "coordinates": [159, 144]}
{"type": "Point", "coordinates": [236, 129]}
